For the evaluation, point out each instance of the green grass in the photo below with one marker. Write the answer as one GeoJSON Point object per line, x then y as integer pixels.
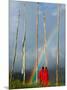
{"type": "Point", "coordinates": [19, 84]}
{"type": "Point", "coordinates": [14, 84]}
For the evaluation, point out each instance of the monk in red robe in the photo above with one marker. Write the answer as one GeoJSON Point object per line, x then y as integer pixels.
{"type": "Point", "coordinates": [43, 76]}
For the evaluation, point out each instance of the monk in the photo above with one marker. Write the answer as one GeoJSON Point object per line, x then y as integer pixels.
{"type": "Point", "coordinates": [43, 76]}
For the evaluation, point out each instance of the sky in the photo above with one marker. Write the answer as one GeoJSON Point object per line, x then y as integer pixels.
{"type": "Point", "coordinates": [28, 14]}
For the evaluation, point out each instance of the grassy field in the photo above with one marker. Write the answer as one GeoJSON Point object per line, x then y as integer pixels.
{"type": "Point", "coordinates": [13, 84]}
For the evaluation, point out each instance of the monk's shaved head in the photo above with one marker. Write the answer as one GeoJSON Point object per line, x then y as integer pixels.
{"type": "Point", "coordinates": [43, 67]}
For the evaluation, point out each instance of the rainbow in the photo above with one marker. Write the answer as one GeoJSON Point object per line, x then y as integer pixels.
{"type": "Point", "coordinates": [40, 55]}
{"type": "Point", "coordinates": [34, 70]}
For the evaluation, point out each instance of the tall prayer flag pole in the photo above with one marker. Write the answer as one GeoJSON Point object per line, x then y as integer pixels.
{"type": "Point", "coordinates": [45, 41]}
{"type": "Point", "coordinates": [37, 43]}
{"type": "Point", "coordinates": [24, 50]}
{"type": "Point", "coordinates": [58, 28]}
{"type": "Point", "coordinates": [16, 43]}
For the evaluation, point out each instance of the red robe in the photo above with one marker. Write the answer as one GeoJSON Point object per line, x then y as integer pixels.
{"type": "Point", "coordinates": [43, 77]}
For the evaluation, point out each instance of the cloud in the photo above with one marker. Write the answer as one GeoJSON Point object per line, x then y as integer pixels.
{"type": "Point", "coordinates": [53, 52]}
{"type": "Point", "coordinates": [54, 13]}
{"type": "Point", "coordinates": [62, 8]}
{"type": "Point", "coordinates": [32, 53]}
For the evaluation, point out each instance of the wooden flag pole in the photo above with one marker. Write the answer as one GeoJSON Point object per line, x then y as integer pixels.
{"type": "Point", "coordinates": [16, 43]}
{"type": "Point", "coordinates": [58, 28]}
{"type": "Point", "coordinates": [46, 60]}
{"type": "Point", "coordinates": [24, 47]}
{"type": "Point", "coordinates": [37, 44]}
